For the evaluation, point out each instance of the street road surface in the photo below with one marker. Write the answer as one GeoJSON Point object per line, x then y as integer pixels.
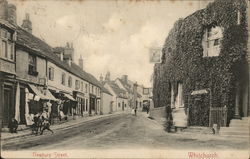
{"type": "Point", "coordinates": [120, 131]}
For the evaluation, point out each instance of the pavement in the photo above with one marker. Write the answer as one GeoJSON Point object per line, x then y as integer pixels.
{"type": "Point", "coordinates": [64, 125]}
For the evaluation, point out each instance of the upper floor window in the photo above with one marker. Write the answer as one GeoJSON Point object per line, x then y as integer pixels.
{"type": "Point", "coordinates": [32, 65]}
{"type": "Point", "coordinates": [212, 41]}
{"type": "Point", "coordinates": [7, 45]}
{"type": "Point", "coordinates": [77, 84]}
{"type": "Point", "coordinates": [70, 81]}
{"type": "Point", "coordinates": [51, 73]}
{"type": "Point", "coordinates": [86, 88]}
{"type": "Point", "coordinates": [92, 89]}
{"type": "Point", "coordinates": [145, 91]}
{"type": "Point", "coordinates": [63, 78]}
{"type": "Point", "coordinates": [82, 86]}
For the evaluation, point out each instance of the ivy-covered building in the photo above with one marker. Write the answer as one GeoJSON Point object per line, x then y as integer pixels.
{"type": "Point", "coordinates": [205, 64]}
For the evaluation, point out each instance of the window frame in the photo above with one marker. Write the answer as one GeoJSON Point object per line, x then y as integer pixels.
{"type": "Point", "coordinates": [6, 37]}
{"type": "Point", "coordinates": [51, 73]}
{"type": "Point", "coordinates": [70, 81]}
{"type": "Point", "coordinates": [63, 78]}
{"type": "Point", "coordinates": [209, 47]}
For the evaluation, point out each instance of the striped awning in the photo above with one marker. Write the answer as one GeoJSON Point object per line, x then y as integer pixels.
{"type": "Point", "coordinates": [70, 97]}
{"type": "Point", "coordinates": [43, 94]}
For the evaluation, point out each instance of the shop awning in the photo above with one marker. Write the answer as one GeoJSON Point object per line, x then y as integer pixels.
{"type": "Point", "coordinates": [69, 97]}
{"type": "Point", "coordinates": [44, 94]}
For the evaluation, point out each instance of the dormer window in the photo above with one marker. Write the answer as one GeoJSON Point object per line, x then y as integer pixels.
{"type": "Point", "coordinates": [212, 41]}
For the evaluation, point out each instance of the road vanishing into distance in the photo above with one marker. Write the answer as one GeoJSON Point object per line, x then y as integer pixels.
{"type": "Point", "coordinates": [121, 131]}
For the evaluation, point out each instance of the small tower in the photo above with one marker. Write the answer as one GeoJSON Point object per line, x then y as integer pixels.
{"type": "Point", "coordinates": [81, 62]}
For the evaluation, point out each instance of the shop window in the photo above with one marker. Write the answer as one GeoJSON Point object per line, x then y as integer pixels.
{"type": "Point", "coordinates": [70, 81]}
{"type": "Point", "coordinates": [51, 73]}
{"type": "Point", "coordinates": [63, 78]}
{"type": "Point", "coordinates": [212, 41]}
{"type": "Point", "coordinates": [32, 65]}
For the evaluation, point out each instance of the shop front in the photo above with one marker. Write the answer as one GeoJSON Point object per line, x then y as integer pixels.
{"type": "Point", "coordinates": [37, 99]}
{"type": "Point", "coordinates": [7, 99]}
{"type": "Point", "coordinates": [80, 107]}
{"type": "Point", "coordinates": [92, 104]}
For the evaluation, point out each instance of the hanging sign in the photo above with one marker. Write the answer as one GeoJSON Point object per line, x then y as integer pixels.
{"type": "Point", "coordinates": [155, 55]}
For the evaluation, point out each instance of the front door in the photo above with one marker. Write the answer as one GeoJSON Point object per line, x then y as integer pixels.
{"type": "Point", "coordinates": [8, 107]}
{"type": "Point", "coordinates": [122, 106]}
{"type": "Point", "coordinates": [22, 106]}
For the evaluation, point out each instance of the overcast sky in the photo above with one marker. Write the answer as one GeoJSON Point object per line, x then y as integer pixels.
{"type": "Point", "coordinates": [110, 35]}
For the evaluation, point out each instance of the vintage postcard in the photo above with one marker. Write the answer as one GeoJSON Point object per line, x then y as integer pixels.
{"type": "Point", "coordinates": [125, 79]}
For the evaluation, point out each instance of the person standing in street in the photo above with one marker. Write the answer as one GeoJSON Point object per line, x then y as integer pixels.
{"type": "Point", "coordinates": [135, 110]}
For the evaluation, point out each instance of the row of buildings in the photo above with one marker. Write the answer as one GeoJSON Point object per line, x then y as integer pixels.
{"type": "Point", "coordinates": [204, 74]}
{"type": "Point", "coordinates": [126, 94]}
{"type": "Point", "coordinates": [35, 76]}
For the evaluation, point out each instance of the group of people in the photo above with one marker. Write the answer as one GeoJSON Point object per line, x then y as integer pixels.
{"type": "Point", "coordinates": [41, 122]}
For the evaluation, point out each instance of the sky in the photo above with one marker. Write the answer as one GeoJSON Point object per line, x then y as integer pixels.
{"type": "Point", "coordinates": [110, 35]}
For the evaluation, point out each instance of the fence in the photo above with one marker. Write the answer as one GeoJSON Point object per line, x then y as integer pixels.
{"type": "Point", "coordinates": [218, 115]}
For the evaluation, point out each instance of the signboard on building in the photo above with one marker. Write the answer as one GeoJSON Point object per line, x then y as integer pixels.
{"type": "Point", "coordinates": [202, 91]}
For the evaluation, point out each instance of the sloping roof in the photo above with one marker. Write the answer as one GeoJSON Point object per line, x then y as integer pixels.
{"type": "Point", "coordinates": [126, 86]}
{"type": "Point", "coordinates": [118, 91]}
{"type": "Point", "coordinates": [26, 40]}
{"type": "Point", "coordinates": [58, 49]}
{"type": "Point", "coordinates": [105, 90]}
{"type": "Point", "coordinates": [129, 88]}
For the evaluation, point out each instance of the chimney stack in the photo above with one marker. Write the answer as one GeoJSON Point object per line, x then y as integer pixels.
{"type": "Point", "coordinates": [12, 14]}
{"type": "Point", "coordinates": [69, 51]}
{"type": "Point", "coordinates": [27, 25]}
{"type": "Point", "coordinates": [101, 79]}
{"type": "Point", "coordinates": [81, 62]}
{"type": "Point", "coordinates": [125, 78]}
{"type": "Point", "coordinates": [107, 77]}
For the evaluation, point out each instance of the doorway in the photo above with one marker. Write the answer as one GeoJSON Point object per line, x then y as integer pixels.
{"type": "Point", "coordinates": [8, 106]}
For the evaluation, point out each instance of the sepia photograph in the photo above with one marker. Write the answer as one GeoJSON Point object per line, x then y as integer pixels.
{"type": "Point", "coordinates": [125, 79]}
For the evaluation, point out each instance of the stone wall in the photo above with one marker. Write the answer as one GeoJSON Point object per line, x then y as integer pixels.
{"type": "Point", "coordinates": [158, 114]}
